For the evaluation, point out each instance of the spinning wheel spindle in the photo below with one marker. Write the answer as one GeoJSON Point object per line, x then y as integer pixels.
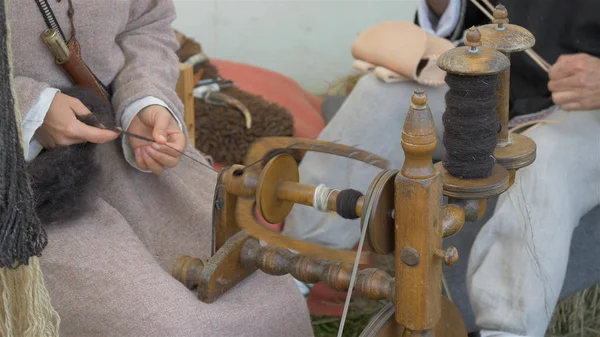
{"type": "Point", "coordinates": [277, 189]}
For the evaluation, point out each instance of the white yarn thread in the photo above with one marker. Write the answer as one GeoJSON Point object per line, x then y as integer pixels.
{"type": "Point", "coordinates": [365, 222]}
{"type": "Point", "coordinates": [321, 197]}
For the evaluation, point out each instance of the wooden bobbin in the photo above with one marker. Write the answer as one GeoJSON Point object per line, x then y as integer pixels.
{"type": "Point", "coordinates": [513, 151]}
{"type": "Point", "coordinates": [504, 37]}
{"type": "Point", "coordinates": [282, 168]}
{"type": "Point", "coordinates": [474, 59]}
{"type": "Point", "coordinates": [273, 193]}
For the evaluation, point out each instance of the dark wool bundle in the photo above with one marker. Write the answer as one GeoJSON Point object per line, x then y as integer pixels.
{"type": "Point", "coordinates": [61, 176]}
{"type": "Point", "coordinates": [471, 125]}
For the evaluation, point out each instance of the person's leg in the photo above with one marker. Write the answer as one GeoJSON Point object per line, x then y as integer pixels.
{"type": "Point", "coordinates": [171, 213]}
{"type": "Point", "coordinates": [371, 119]}
{"type": "Point", "coordinates": [104, 282]}
{"type": "Point", "coordinates": [518, 261]}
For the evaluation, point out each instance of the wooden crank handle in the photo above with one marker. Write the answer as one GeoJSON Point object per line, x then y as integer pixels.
{"type": "Point", "coordinates": [263, 146]}
{"type": "Point", "coordinates": [246, 220]}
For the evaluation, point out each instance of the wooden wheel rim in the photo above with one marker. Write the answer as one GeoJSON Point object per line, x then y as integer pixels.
{"type": "Point", "coordinates": [383, 324]}
{"type": "Point", "coordinates": [380, 233]}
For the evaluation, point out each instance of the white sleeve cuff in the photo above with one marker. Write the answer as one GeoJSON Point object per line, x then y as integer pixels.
{"type": "Point", "coordinates": [443, 26]}
{"type": "Point", "coordinates": [33, 120]}
{"type": "Point", "coordinates": [129, 113]}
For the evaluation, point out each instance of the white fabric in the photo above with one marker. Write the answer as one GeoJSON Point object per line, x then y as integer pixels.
{"type": "Point", "coordinates": [520, 256]}
{"type": "Point", "coordinates": [519, 259]}
{"type": "Point", "coordinates": [33, 120]}
{"type": "Point", "coordinates": [442, 26]}
{"type": "Point", "coordinates": [36, 115]}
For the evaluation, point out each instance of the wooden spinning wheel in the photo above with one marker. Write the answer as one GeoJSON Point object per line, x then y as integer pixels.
{"type": "Point", "coordinates": [401, 213]}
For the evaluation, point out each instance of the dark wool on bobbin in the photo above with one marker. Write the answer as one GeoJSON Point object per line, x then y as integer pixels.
{"type": "Point", "coordinates": [345, 203]}
{"type": "Point", "coordinates": [21, 233]}
{"type": "Point", "coordinates": [471, 125]}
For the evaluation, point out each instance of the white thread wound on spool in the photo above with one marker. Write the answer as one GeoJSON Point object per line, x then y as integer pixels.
{"type": "Point", "coordinates": [321, 197]}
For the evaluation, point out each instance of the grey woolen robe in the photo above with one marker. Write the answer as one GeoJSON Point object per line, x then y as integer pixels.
{"type": "Point", "coordinates": [108, 271]}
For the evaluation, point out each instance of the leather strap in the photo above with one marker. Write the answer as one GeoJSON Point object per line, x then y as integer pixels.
{"type": "Point", "coordinates": [79, 73]}
{"type": "Point", "coordinates": [75, 68]}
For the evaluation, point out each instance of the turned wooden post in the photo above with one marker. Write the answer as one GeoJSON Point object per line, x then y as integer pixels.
{"type": "Point", "coordinates": [418, 223]}
{"type": "Point", "coordinates": [185, 91]}
{"type": "Point", "coordinates": [372, 283]}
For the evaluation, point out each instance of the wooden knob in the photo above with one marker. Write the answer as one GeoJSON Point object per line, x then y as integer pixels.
{"type": "Point", "coordinates": [419, 98]}
{"type": "Point", "coordinates": [419, 138]}
{"type": "Point", "coordinates": [500, 15]}
{"type": "Point", "coordinates": [450, 255]}
{"type": "Point", "coordinates": [473, 38]}
{"type": "Point", "coordinates": [475, 58]}
{"type": "Point", "coordinates": [187, 270]}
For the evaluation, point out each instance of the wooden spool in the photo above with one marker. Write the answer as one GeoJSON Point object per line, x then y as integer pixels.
{"type": "Point", "coordinates": [474, 59]}
{"type": "Point", "coordinates": [513, 151]}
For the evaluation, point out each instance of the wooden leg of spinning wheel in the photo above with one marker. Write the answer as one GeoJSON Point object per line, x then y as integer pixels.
{"type": "Point", "coordinates": [224, 270]}
{"type": "Point", "coordinates": [220, 274]}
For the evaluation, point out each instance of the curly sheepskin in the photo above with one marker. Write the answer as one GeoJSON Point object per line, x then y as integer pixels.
{"type": "Point", "coordinates": [221, 131]}
{"type": "Point", "coordinates": [60, 177]}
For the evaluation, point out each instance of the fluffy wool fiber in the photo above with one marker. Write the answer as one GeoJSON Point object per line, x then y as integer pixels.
{"type": "Point", "coordinates": [60, 177]}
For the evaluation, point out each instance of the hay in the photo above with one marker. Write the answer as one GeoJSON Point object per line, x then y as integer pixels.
{"type": "Point", "coordinates": [578, 315]}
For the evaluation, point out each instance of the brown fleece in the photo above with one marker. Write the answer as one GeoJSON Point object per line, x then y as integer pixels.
{"type": "Point", "coordinates": [220, 130]}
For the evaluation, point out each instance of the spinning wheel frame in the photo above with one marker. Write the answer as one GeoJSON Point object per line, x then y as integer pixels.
{"type": "Point", "coordinates": [272, 198]}
{"type": "Point", "coordinates": [262, 147]}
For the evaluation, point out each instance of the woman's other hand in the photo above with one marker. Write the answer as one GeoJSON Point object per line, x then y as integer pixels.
{"type": "Point", "coordinates": [575, 82]}
{"type": "Point", "coordinates": [61, 126]}
{"type": "Point", "coordinates": [157, 123]}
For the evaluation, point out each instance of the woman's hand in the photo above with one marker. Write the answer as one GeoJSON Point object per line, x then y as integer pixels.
{"type": "Point", "coordinates": [61, 126]}
{"type": "Point", "coordinates": [575, 82]}
{"type": "Point", "coordinates": [156, 122]}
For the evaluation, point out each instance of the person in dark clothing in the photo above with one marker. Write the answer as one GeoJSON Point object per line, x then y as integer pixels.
{"type": "Point", "coordinates": [518, 261]}
{"type": "Point", "coordinates": [567, 35]}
